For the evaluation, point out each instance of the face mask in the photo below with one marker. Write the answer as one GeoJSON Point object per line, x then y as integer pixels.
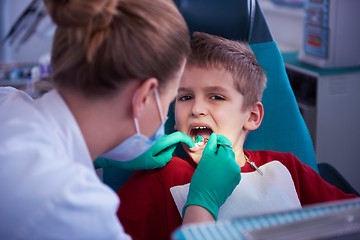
{"type": "Point", "coordinates": [137, 143]}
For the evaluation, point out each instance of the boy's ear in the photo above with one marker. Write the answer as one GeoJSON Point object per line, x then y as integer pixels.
{"type": "Point", "coordinates": [255, 117]}
{"type": "Point", "coordinates": [143, 95]}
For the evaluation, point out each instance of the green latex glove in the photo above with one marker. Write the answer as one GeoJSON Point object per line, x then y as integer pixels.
{"type": "Point", "coordinates": [215, 177]}
{"type": "Point", "coordinates": [156, 157]}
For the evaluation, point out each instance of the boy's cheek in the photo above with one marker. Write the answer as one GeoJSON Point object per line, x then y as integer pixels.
{"type": "Point", "coordinates": [177, 126]}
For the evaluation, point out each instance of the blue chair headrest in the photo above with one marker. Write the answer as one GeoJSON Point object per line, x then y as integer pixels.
{"type": "Point", "coordinates": [240, 20]}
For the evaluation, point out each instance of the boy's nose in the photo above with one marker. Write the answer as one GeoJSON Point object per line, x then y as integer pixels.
{"type": "Point", "coordinates": [198, 108]}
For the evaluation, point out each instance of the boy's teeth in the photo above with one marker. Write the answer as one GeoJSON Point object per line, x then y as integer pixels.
{"type": "Point", "coordinates": [199, 127]}
{"type": "Point", "coordinates": [199, 144]}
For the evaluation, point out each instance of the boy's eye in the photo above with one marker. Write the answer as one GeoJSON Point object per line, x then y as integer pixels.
{"type": "Point", "coordinates": [217, 97]}
{"type": "Point", "coordinates": [184, 98]}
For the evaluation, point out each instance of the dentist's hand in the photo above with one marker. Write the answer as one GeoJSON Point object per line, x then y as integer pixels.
{"type": "Point", "coordinates": [156, 157]}
{"type": "Point", "coordinates": [215, 177]}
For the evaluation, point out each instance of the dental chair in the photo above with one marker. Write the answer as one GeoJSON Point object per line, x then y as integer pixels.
{"type": "Point", "coordinates": [283, 128]}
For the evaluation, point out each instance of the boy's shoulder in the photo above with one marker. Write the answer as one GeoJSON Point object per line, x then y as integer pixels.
{"type": "Point", "coordinates": [265, 156]}
{"type": "Point", "coordinates": [269, 153]}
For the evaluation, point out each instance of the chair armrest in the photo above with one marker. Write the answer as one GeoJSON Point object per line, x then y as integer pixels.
{"type": "Point", "coordinates": [332, 176]}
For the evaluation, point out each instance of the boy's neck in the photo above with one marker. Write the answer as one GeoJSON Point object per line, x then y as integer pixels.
{"type": "Point", "coordinates": [240, 158]}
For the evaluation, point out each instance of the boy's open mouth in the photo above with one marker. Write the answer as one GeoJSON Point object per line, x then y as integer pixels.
{"type": "Point", "coordinates": [202, 131]}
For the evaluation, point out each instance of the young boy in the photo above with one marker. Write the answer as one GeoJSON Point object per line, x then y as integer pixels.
{"type": "Point", "coordinates": [220, 92]}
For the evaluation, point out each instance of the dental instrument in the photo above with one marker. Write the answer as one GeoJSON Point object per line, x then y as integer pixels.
{"type": "Point", "coordinates": [199, 141]}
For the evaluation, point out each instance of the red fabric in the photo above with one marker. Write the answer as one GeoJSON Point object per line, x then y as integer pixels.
{"type": "Point", "coordinates": [148, 211]}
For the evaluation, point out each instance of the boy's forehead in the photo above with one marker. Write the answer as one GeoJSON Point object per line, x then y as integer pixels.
{"type": "Point", "coordinates": [196, 77]}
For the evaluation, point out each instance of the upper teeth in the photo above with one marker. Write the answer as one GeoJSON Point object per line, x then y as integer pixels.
{"type": "Point", "coordinates": [199, 127]}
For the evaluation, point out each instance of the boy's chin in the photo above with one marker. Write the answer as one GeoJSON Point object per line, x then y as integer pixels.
{"type": "Point", "coordinates": [195, 156]}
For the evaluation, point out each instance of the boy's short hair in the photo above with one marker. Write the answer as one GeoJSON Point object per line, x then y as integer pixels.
{"type": "Point", "coordinates": [209, 51]}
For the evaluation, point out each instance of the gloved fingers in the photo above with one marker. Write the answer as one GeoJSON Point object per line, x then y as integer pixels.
{"type": "Point", "coordinates": [222, 140]}
{"type": "Point", "coordinates": [211, 145]}
{"type": "Point", "coordinates": [215, 141]}
{"type": "Point", "coordinates": [178, 137]}
{"type": "Point", "coordinates": [228, 158]}
{"type": "Point", "coordinates": [165, 156]}
{"type": "Point", "coordinates": [171, 140]}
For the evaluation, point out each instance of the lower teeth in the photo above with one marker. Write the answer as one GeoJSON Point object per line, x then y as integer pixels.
{"type": "Point", "coordinates": [199, 144]}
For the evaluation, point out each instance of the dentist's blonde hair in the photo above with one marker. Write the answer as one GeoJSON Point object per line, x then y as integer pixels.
{"type": "Point", "coordinates": [100, 45]}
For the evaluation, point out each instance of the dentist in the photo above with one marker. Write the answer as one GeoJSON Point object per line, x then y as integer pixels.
{"type": "Point", "coordinates": [116, 68]}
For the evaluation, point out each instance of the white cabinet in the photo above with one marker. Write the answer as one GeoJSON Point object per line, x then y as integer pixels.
{"type": "Point", "coordinates": [330, 103]}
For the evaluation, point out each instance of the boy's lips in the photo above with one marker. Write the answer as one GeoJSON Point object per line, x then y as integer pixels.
{"type": "Point", "coordinates": [197, 148]}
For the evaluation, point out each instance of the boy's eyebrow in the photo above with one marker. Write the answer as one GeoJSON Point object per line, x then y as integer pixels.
{"type": "Point", "coordinates": [182, 89]}
{"type": "Point", "coordinates": [208, 89]}
{"type": "Point", "coordinates": [216, 89]}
